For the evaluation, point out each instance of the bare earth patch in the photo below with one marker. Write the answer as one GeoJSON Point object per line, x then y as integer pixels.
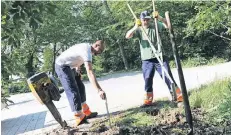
{"type": "Point", "coordinates": [166, 118]}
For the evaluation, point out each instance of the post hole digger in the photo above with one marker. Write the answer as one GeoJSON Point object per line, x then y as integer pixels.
{"type": "Point", "coordinates": [152, 58]}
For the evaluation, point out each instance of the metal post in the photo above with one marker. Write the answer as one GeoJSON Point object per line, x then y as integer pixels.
{"type": "Point", "coordinates": [181, 75]}
{"type": "Point", "coordinates": [108, 114]}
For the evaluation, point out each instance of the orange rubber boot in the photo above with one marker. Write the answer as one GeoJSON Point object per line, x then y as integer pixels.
{"type": "Point", "coordinates": [87, 111]}
{"type": "Point", "coordinates": [79, 118]}
{"type": "Point", "coordinates": [179, 95]}
{"type": "Point", "coordinates": [148, 97]}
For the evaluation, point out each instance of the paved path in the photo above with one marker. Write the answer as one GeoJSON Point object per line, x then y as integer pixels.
{"type": "Point", "coordinates": [124, 90]}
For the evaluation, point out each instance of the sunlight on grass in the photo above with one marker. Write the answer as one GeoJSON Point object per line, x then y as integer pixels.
{"type": "Point", "coordinates": [141, 119]}
{"type": "Point", "coordinates": [215, 98]}
{"type": "Point", "coordinates": [134, 117]}
{"type": "Point", "coordinates": [198, 61]}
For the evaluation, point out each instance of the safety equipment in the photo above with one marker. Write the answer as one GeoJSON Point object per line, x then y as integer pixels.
{"type": "Point", "coordinates": [138, 22]}
{"type": "Point", "coordinates": [155, 14]}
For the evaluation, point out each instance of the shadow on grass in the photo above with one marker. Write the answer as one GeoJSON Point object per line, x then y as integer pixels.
{"type": "Point", "coordinates": [177, 125]}
{"type": "Point", "coordinates": [125, 125]}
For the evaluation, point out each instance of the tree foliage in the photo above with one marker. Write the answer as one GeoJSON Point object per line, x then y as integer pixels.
{"type": "Point", "coordinates": [213, 17]}
{"type": "Point", "coordinates": [34, 33]}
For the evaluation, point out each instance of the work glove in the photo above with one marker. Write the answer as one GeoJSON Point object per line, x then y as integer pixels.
{"type": "Point", "coordinates": [102, 94]}
{"type": "Point", "coordinates": [138, 22]}
{"type": "Point", "coordinates": [155, 14]}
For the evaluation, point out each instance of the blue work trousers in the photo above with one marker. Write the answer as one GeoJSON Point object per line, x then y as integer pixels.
{"type": "Point", "coordinates": [72, 85]}
{"type": "Point", "coordinates": [148, 68]}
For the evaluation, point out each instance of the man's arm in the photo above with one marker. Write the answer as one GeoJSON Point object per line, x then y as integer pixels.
{"type": "Point", "coordinates": [160, 18]}
{"type": "Point", "coordinates": [163, 20]}
{"type": "Point", "coordinates": [130, 33]}
{"type": "Point", "coordinates": [93, 80]}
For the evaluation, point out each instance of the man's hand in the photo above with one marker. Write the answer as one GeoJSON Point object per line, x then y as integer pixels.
{"type": "Point", "coordinates": [102, 94]}
{"type": "Point", "coordinates": [138, 22]}
{"type": "Point", "coordinates": [160, 18]}
{"type": "Point", "coordinates": [155, 14]}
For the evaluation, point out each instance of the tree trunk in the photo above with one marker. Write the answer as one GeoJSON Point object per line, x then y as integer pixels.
{"type": "Point", "coordinates": [29, 66]}
{"type": "Point", "coordinates": [107, 7]}
{"type": "Point", "coordinates": [54, 57]}
{"type": "Point", "coordinates": [120, 46]}
{"type": "Point", "coordinates": [4, 70]}
{"type": "Point", "coordinates": [123, 55]}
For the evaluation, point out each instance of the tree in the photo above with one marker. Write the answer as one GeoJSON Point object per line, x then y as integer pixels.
{"type": "Point", "coordinates": [210, 29]}
{"type": "Point", "coordinates": [211, 17]}
{"type": "Point", "coordinates": [60, 31]}
{"type": "Point", "coordinates": [117, 41]}
{"type": "Point", "coordinates": [20, 20]}
{"type": "Point", "coordinates": [34, 33]}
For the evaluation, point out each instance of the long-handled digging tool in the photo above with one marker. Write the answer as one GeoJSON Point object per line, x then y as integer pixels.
{"type": "Point", "coordinates": [155, 53]}
{"type": "Point", "coordinates": [108, 114]}
{"type": "Point", "coordinates": [159, 43]}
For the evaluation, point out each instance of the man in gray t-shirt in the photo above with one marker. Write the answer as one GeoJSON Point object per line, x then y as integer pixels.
{"type": "Point", "coordinates": [73, 58]}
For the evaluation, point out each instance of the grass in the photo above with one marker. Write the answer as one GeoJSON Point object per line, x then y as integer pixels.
{"type": "Point", "coordinates": [213, 99]}
{"type": "Point", "coordinates": [135, 119]}
{"type": "Point", "coordinates": [210, 107]}
{"type": "Point", "coordinates": [140, 117]}
{"type": "Point", "coordinates": [198, 61]}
